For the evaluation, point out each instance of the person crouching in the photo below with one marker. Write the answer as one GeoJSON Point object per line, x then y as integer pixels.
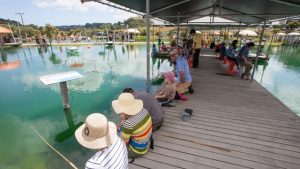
{"type": "Point", "coordinates": [136, 124]}
{"type": "Point", "coordinates": [99, 134]}
{"type": "Point", "coordinates": [168, 93]}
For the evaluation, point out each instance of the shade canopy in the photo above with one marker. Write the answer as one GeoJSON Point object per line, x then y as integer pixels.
{"type": "Point", "coordinates": [133, 30]}
{"type": "Point", "coordinates": [293, 34]}
{"type": "Point", "coordinates": [244, 11]}
{"type": "Point", "coordinates": [280, 34]}
{"type": "Point", "coordinates": [248, 33]}
{"type": "Point", "coordinates": [4, 30]}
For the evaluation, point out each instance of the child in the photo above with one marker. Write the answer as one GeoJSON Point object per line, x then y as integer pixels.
{"type": "Point", "coordinates": [168, 93]}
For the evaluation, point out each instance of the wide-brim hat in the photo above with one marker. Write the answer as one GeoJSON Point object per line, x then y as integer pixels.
{"type": "Point", "coordinates": [127, 104]}
{"type": "Point", "coordinates": [96, 132]}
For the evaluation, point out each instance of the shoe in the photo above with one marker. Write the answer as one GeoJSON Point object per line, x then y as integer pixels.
{"type": "Point", "coordinates": [131, 161]}
{"type": "Point", "coordinates": [191, 90]}
{"type": "Point", "coordinates": [189, 111]}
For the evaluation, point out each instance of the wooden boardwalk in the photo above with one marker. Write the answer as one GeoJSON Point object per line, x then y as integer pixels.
{"type": "Point", "coordinates": [235, 125]}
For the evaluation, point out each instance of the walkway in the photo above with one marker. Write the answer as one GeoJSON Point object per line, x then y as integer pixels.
{"type": "Point", "coordinates": [235, 125]}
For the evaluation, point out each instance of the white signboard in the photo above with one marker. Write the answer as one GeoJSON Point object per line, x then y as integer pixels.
{"type": "Point", "coordinates": [60, 77]}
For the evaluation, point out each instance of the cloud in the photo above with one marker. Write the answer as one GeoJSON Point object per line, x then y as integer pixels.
{"type": "Point", "coordinates": [123, 15]}
{"type": "Point", "coordinates": [69, 5]}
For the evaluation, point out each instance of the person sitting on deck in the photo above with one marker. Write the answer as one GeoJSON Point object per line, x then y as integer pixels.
{"type": "Point", "coordinates": [168, 93]}
{"type": "Point", "coordinates": [184, 78]}
{"type": "Point", "coordinates": [136, 124]}
{"type": "Point", "coordinates": [230, 53]}
{"type": "Point", "coordinates": [222, 51]}
{"type": "Point", "coordinates": [99, 134]}
{"type": "Point", "coordinates": [245, 61]}
{"type": "Point", "coordinates": [150, 104]}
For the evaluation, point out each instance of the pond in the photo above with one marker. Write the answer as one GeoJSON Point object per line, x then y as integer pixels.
{"type": "Point", "coordinates": [27, 103]}
{"type": "Point", "coordinates": [281, 75]}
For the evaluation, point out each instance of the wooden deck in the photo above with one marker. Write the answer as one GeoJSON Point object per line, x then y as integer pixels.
{"type": "Point", "coordinates": [235, 125]}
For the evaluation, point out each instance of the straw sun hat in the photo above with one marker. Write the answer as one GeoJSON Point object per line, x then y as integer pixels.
{"type": "Point", "coordinates": [96, 132]}
{"type": "Point", "coordinates": [127, 104]}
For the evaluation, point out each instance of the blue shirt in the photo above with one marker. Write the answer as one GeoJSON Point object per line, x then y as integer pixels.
{"type": "Point", "coordinates": [182, 65]}
{"type": "Point", "coordinates": [223, 50]}
{"type": "Point", "coordinates": [243, 53]}
{"type": "Point", "coordinates": [230, 52]}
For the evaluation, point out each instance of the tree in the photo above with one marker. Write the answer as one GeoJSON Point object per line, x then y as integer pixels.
{"type": "Point", "coordinates": [294, 24]}
{"type": "Point", "coordinates": [50, 31]}
{"type": "Point", "coordinates": [137, 22]}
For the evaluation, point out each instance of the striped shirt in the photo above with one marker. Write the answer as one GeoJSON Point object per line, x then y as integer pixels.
{"type": "Point", "coordinates": [137, 131]}
{"type": "Point", "coordinates": [114, 156]}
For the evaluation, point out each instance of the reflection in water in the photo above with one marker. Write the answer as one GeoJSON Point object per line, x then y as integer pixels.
{"type": "Point", "coordinates": [123, 49]}
{"type": "Point", "coordinates": [289, 55]}
{"type": "Point", "coordinates": [64, 135]}
{"type": "Point", "coordinates": [53, 58]}
{"type": "Point", "coordinates": [3, 55]}
{"type": "Point", "coordinates": [25, 56]}
{"type": "Point", "coordinates": [5, 64]}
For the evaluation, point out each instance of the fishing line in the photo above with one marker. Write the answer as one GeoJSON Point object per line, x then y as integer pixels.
{"type": "Point", "coordinates": [45, 141]}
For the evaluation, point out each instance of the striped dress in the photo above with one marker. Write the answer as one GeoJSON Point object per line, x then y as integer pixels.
{"type": "Point", "coordinates": [112, 157]}
{"type": "Point", "coordinates": [137, 131]}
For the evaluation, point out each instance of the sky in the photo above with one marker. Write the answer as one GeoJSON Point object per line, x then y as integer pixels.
{"type": "Point", "coordinates": [60, 12]}
{"type": "Point", "coordinates": [64, 12]}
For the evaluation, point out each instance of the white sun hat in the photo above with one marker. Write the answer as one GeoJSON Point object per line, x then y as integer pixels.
{"type": "Point", "coordinates": [96, 132]}
{"type": "Point", "coordinates": [127, 104]}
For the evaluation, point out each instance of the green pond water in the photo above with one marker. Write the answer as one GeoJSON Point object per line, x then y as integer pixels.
{"type": "Point", "coordinates": [281, 75]}
{"type": "Point", "coordinates": [25, 102]}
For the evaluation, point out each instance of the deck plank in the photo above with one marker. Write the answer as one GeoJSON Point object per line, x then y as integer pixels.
{"type": "Point", "coordinates": [235, 125]}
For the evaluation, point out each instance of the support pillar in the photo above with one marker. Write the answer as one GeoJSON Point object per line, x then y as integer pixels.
{"type": "Point", "coordinates": [238, 33]}
{"type": "Point", "coordinates": [177, 33]}
{"type": "Point", "coordinates": [258, 51]}
{"type": "Point", "coordinates": [148, 43]}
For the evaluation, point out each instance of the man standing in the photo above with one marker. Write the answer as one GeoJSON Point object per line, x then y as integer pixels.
{"type": "Point", "coordinates": [151, 104]}
{"type": "Point", "coordinates": [99, 134]}
{"type": "Point", "coordinates": [196, 46]}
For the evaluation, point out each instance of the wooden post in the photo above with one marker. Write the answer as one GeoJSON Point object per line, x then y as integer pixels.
{"type": "Point", "coordinates": [64, 94]}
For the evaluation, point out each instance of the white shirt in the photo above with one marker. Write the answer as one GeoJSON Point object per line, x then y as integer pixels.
{"type": "Point", "coordinates": [113, 157]}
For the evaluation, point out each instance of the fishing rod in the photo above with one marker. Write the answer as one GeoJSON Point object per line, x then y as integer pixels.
{"type": "Point", "coordinates": [45, 141]}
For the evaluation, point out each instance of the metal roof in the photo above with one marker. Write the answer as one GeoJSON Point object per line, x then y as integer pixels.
{"type": "Point", "coordinates": [245, 11]}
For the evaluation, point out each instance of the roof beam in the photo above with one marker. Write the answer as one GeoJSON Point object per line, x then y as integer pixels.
{"type": "Point", "coordinates": [189, 13]}
{"type": "Point", "coordinates": [286, 3]}
{"type": "Point", "coordinates": [169, 6]}
{"type": "Point", "coordinates": [241, 12]}
{"type": "Point", "coordinates": [234, 14]}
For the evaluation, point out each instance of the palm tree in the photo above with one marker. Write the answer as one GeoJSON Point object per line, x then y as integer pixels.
{"type": "Point", "coordinates": [50, 32]}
